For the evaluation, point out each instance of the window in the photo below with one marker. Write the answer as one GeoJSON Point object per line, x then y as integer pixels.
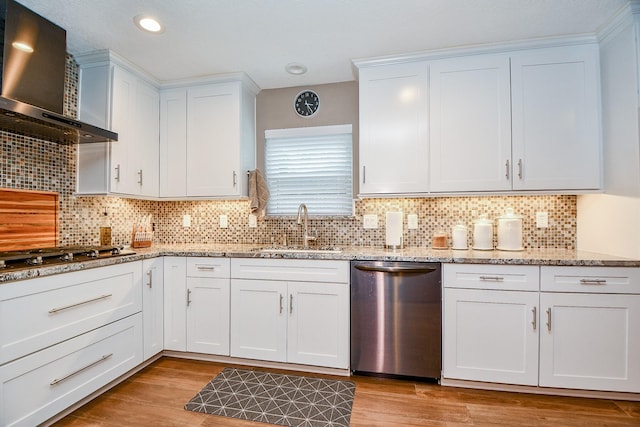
{"type": "Point", "coordinates": [311, 165]}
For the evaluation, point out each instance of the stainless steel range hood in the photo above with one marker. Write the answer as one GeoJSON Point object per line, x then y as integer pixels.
{"type": "Point", "coordinates": [32, 80]}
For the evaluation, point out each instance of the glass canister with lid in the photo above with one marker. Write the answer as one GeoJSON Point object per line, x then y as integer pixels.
{"type": "Point", "coordinates": [510, 231]}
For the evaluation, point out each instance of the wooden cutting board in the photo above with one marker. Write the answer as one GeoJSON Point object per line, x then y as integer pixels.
{"type": "Point", "coordinates": [28, 219]}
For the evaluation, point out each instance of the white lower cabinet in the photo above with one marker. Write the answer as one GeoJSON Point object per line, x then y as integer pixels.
{"type": "Point", "coordinates": [152, 306]}
{"type": "Point", "coordinates": [196, 314]}
{"type": "Point", "coordinates": [496, 336]}
{"type": "Point", "coordinates": [586, 321]}
{"type": "Point", "coordinates": [302, 319]}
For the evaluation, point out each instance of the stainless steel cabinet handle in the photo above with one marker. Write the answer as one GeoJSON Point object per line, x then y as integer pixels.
{"type": "Point", "coordinates": [519, 168]}
{"type": "Point", "coordinates": [506, 168]}
{"type": "Point", "coordinates": [235, 179]}
{"type": "Point", "coordinates": [364, 174]}
{"type": "Point", "coordinates": [188, 297]}
{"type": "Point", "coordinates": [290, 303]}
{"type": "Point", "coordinates": [281, 300]}
{"type": "Point", "coordinates": [593, 281]}
{"type": "Point", "coordinates": [492, 278]}
{"type": "Point", "coordinates": [77, 371]}
{"type": "Point", "coordinates": [150, 275]}
{"type": "Point", "coordinates": [395, 269]}
{"type": "Point", "coordinates": [549, 319]}
{"type": "Point", "coordinates": [77, 304]}
{"type": "Point", "coordinates": [534, 321]}
{"type": "Point", "coordinates": [140, 175]}
{"type": "Point", "coordinates": [117, 178]}
{"type": "Point", "coordinates": [205, 267]}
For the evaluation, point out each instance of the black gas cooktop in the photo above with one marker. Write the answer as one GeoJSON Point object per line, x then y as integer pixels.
{"type": "Point", "coordinates": [19, 260]}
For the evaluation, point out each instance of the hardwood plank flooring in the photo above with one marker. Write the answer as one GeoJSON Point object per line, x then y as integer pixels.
{"type": "Point", "coordinates": [156, 395]}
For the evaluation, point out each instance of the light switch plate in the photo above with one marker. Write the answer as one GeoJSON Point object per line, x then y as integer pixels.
{"type": "Point", "coordinates": [542, 219]}
{"type": "Point", "coordinates": [253, 221]}
{"type": "Point", "coordinates": [370, 221]}
{"type": "Point", "coordinates": [412, 221]}
{"type": "Point", "coordinates": [186, 221]}
{"type": "Point", "coordinates": [224, 221]}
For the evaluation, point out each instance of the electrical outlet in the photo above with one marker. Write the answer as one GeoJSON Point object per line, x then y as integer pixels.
{"type": "Point", "coordinates": [370, 221]}
{"type": "Point", "coordinates": [253, 221]}
{"type": "Point", "coordinates": [412, 222]}
{"type": "Point", "coordinates": [542, 219]}
{"type": "Point", "coordinates": [186, 221]}
{"type": "Point", "coordinates": [224, 221]}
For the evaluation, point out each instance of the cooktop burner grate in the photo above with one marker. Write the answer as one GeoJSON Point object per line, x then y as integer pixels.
{"type": "Point", "coordinates": [21, 259]}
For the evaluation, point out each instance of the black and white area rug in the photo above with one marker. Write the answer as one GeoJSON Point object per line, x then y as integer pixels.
{"type": "Point", "coordinates": [287, 400]}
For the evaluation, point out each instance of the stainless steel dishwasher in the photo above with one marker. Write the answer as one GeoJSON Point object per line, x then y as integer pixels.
{"type": "Point", "coordinates": [396, 312]}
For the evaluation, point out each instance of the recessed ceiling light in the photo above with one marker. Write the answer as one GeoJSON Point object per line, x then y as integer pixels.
{"type": "Point", "coordinates": [148, 24]}
{"type": "Point", "coordinates": [25, 47]}
{"type": "Point", "coordinates": [295, 68]}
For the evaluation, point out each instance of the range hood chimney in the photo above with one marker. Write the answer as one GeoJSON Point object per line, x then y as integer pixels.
{"type": "Point", "coordinates": [32, 80]}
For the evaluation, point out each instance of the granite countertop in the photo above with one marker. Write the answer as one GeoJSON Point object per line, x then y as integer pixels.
{"type": "Point", "coordinates": [562, 257]}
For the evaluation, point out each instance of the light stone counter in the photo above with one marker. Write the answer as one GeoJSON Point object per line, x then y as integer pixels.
{"type": "Point", "coordinates": [527, 257]}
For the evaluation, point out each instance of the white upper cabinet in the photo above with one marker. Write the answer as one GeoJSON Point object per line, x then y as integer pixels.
{"type": "Point", "coordinates": [207, 140]}
{"type": "Point", "coordinates": [394, 119]}
{"type": "Point", "coordinates": [115, 96]}
{"type": "Point", "coordinates": [470, 134]}
{"type": "Point", "coordinates": [556, 118]}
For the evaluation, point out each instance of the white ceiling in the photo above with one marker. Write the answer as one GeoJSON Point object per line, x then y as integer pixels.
{"type": "Point", "coordinates": [260, 37]}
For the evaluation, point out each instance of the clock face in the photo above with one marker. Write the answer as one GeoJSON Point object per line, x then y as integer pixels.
{"type": "Point", "coordinates": [306, 103]}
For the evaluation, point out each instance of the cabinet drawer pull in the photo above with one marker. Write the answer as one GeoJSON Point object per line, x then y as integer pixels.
{"type": "Point", "coordinates": [492, 278]}
{"type": "Point", "coordinates": [66, 307]}
{"type": "Point", "coordinates": [205, 267]}
{"type": "Point", "coordinates": [150, 275]}
{"type": "Point", "coordinates": [77, 371]}
{"type": "Point", "coordinates": [188, 297]}
{"type": "Point", "coordinates": [549, 319]}
{"type": "Point", "coordinates": [290, 303]}
{"type": "Point", "coordinates": [281, 301]}
{"type": "Point", "coordinates": [593, 281]}
{"type": "Point", "coordinates": [534, 321]}
{"type": "Point", "coordinates": [506, 167]}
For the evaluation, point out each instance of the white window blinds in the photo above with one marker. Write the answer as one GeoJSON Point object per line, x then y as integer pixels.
{"type": "Point", "coordinates": [311, 165]}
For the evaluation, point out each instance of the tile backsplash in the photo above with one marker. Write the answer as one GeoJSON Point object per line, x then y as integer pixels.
{"type": "Point", "coordinates": [28, 163]}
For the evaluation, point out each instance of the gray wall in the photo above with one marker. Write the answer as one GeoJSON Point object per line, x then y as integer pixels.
{"type": "Point", "coordinates": [338, 105]}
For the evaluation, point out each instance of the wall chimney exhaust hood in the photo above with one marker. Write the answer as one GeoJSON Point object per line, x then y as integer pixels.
{"type": "Point", "coordinates": [32, 80]}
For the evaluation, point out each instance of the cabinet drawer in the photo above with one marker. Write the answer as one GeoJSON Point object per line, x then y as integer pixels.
{"type": "Point", "coordinates": [37, 387]}
{"type": "Point", "coordinates": [290, 269]}
{"type": "Point", "coordinates": [608, 280]}
{"type": "Point", "coordinates": [499, 277]}
{"type": "Point", "coordinates": [208, 267]}
{"type": "Point", "coordinates": [37, 313]}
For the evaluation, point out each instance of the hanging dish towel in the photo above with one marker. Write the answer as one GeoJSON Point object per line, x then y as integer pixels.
{"type": "Point", "coordinates": [258, 193]}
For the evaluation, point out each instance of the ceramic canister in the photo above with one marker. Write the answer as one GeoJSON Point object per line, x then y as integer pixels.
{"type": "Point", "coordinates": [459, 236]}
{"type": "Point", "coordinates": [510, 231]}
{"type": "Point", "coordinates": [483, 234]}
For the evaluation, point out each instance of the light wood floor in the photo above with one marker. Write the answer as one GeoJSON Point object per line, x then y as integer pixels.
{"type": "Point", "coordinates": [156, 395]}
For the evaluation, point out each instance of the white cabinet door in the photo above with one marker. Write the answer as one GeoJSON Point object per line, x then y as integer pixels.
{"type": "Point", "coordinates": [318, 327]}
{"type": "Point", "coordinates": [153, 306]}
{"type": "Point", "coordinates": [491, 336]}
{"type": "Point", "coordinates": [144, 151]}
{"type": "Point", "coordinates": [590, 342]}
{"type": "Point", "coordinates": [556, 118]}
{"type": "Point", "coordinates": [394, 151]}
{"type": "Point", "coordinates": [259, 319]}
{"type": "Point", "coordinates": [213, 140]}
{"type": "Point", "coordinates": [470, 124]}
{"type": "Point", "coordinates": [173, 143]}
{"type": "Point", "coordinates": [175, 303]}
{"type": "Point", "coordinates": [208, 315]}
{"type": "Point", "coordinates": [123, 107]}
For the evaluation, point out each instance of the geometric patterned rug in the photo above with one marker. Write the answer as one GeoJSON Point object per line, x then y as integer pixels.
{"type": "Point", "coordinates": [286, 400]}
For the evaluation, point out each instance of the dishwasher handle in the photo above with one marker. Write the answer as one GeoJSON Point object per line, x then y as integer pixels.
{"type": "Point", "coordinates": [396, 269]}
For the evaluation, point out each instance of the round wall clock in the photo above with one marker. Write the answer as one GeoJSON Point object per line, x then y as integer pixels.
{"type": "Point", "coordinates": [306, 103]}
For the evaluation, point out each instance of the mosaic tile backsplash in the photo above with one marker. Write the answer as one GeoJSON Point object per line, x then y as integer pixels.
{"type": "Point", "coordinates": [27, 163]}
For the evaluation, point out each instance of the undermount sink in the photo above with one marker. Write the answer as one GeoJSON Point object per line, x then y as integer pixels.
{"type": "Point", "coordinates": [299, 250]}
